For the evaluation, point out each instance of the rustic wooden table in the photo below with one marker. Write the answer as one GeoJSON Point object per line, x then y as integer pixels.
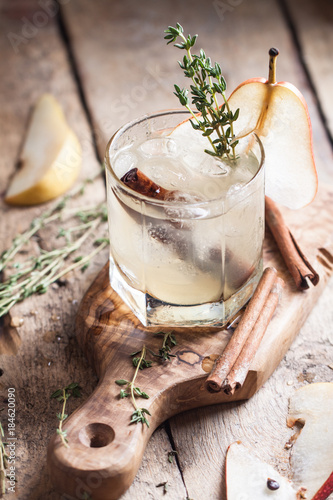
{"type": "Point", "coordinates": [107, 63]}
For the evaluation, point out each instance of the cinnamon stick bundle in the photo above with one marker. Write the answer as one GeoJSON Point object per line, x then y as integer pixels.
{"type": "Point", "coordinates": [298, 265]}
{"type": "Point", "coordinates": [231, 368]}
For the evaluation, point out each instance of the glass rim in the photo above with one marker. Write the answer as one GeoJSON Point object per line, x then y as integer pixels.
{"type": "Point", "coordinates": [168, 203]}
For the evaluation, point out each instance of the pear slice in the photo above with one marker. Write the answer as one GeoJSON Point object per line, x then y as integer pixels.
{"type": "Point", "coordinates": [247, 477]}
{"type": "Point", "coordinates": [312, 454]}
{"type": "Point", "coordinates": [279, 115]}
{"type": "Point", "coordinates": [50, 159]}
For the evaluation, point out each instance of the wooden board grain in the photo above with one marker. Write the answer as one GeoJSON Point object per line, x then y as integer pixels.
{"type": "Point", "coordinates": [108, 333]}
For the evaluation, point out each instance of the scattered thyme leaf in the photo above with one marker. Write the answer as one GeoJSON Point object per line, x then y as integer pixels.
{"type": "Point", "coordinates": [171, 455]}
{"type": "Point", "coordinates": [163, 485]}
{"type": "Point", "coordinates": [122, 382]}
{"type": "Point", "coordinates": [169, 341]}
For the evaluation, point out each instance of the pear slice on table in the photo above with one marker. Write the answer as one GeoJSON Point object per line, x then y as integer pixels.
{"type": "Point", "coordinates": [278, 113]}
{"type": "Point", "coordinates": [312, 454]}
{"type": "Point", "coordinates": [50, 159]}
{"type": "Point", "coordinates": [248, 478]}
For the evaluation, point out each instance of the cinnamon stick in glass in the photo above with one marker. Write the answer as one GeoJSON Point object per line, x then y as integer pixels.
{"type": "Point", "coordinates": [139, 182]}
{"type": "Point", "coordinates": [225, 362]}
{"type": "Point", "coordinates": [240, 369]}
{"type": "Point", "coordinates": [296, 262]}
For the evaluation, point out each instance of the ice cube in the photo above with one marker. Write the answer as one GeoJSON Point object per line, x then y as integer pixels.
{"type": "Point", "coordinates": [186, 207]}
{"type": "Point", "coordinates": [170, 174]}
{"type": "Point", "coordinates": [159, 146]}
{"type": "Point", "coordinates": [124, 162]}
{"type": "Point", "coordinates": [212, 167]}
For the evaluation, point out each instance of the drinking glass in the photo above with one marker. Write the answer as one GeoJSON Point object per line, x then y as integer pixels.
{"type": "Point", "coordinates": [191, 254]}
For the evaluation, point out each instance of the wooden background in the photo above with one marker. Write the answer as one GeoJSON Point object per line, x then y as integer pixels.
{"type": "Point", "coordinates": [106, 62]}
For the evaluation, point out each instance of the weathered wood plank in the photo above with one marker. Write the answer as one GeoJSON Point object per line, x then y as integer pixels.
{"type": "Point", "coordinates": [48, 355]}
{"type": "Point", "coordinates": [313, 22]}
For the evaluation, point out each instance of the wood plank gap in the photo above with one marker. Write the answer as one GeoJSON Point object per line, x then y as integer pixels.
{"type": "Point", "coordinates": [168, 431]}
{"type": "Point", "coordinates": [296, 39]}
{"type": "Point", "coordinates": [65, 38]}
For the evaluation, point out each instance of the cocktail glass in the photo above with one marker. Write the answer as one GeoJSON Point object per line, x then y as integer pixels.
{"type": "Point", "coordinates": [192, 255]}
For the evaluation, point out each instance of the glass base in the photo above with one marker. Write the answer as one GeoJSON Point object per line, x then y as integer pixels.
{"type": "Point", "coordinates": [153, 312]}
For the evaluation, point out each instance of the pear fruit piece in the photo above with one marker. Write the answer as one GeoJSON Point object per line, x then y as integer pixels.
{"type": "Point", "coordinates": [247, 477]}
{"type": "Point", "coordinates": [278, 113]}
{"type": "Point", "coordinates": [51, 156]}
{"type": "Point", "coordinates": [312, 453]}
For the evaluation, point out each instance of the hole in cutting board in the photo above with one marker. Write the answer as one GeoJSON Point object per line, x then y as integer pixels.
{"type": "Point", "coordinates": [96, 435]}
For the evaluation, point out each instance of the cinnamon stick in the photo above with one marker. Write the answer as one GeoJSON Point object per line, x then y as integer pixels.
{"type": "Point", "coordinates": [139, 182]}
{"type": "Point", "coordinates": [296, 262]}
{"type": "Point", "coordinates": [239, 371]}
{"type": "Point", "coordinates": [225, 362]}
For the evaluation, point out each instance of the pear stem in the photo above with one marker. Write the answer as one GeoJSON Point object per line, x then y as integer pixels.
{"type": "Point", "coordinates": [273, 53]}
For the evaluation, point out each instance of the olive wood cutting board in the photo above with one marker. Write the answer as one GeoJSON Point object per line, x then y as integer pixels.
{"type": "Point", "coordinates": [105, 451]}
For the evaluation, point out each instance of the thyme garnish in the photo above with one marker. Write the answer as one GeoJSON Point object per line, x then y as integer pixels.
{"type": "Point", "coordinates": [129, 389]}
{"type": "Point", "coordinates": [215, 122]}
{"type": "Point", "coordinates": [35, 274]}
{"type": "Point", "coordinates": [62, 395]}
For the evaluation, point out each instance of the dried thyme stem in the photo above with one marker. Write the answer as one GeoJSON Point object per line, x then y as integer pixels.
{"type": "Point", "coordinates": [143, 353]}
{"type": "Point", "coordinates": [61, 432]}
{"type": "Point", "coordinates": [3, 462]}
{"type": "Point", "coordinates": [35, 274]}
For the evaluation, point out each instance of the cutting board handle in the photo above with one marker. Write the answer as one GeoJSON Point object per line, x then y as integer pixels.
{"type": "Point", "coordinates": [103, 454]}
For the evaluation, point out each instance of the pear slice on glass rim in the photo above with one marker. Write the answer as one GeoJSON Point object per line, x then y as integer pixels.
{"type": "Point", "coordinates": [51, 156]}
{"type": "Point", "coordinates": [278, 113]}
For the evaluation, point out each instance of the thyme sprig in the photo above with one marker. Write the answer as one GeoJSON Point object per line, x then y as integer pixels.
{"type": "Point", "coordinates": [62, 395]}
{"type": "Point", "coordinates": [215, 122]}
{"type": "Point", "coordinates": [35, 274]}
{"type": "Point", "coordinates": [140, 362]}
{"type": "Point", "coordinates": [3, 461]}
{"type": "Point", "coordinates": [139, 414]}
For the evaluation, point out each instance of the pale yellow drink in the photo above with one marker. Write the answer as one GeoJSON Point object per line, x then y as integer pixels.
{"type": "Point", "coordinates": [195, 257]}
